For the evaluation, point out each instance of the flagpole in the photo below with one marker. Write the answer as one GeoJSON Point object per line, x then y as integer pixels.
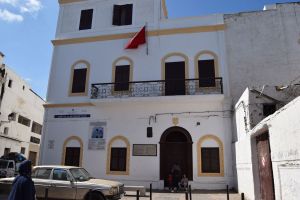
{"type": "Point", "coordinates": [147, 47]}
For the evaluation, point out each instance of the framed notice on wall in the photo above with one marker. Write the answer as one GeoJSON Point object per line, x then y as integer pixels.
{"type": "Point", "coordinates": [144, 150]}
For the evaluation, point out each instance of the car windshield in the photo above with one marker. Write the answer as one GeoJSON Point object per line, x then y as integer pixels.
{"type": "Point", "coordinates": [3, 164]}
{"type": "Point", "coordinates": [80, 174]}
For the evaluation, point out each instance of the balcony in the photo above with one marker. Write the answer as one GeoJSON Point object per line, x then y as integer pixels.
{"type": "Point", "coordinates": [157, 88]}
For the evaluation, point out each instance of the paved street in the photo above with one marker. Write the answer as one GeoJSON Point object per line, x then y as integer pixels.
{"type": "Point", "coordinates": [179, 196]}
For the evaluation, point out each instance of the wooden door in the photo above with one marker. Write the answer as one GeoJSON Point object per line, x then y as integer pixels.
{"type": "Point", "coordinates": [72, 157]}
{"type": "Point", "coordinates": [32, 157]}
{"type": "Point", "coordinates": [265, 167]}
{"type": "Point", "coordinates": [175, 78]}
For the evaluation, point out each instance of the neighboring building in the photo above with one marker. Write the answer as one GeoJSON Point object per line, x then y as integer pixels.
{"type": "Point", "coordinates": [21, 116]}
{"type": "Point", "coordinates": [267, 151]}
{"type": "Point", "coordinates": [130, 115]}
{"type": "Point", "coordinates": [262, 47]}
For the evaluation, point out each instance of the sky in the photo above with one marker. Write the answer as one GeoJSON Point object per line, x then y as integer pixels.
{"type": "Point", "coordinates": [28, 26]}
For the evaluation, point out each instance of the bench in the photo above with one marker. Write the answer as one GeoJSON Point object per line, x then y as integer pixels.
{"type": "Point", "coordinates": [141, 189]}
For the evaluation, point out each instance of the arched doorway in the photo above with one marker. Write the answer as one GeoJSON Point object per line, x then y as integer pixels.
{"type": "Point", "coordinates": [176, 148]}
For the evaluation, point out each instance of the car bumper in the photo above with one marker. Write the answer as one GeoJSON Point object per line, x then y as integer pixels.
{"type": "Point", "coordinates": [115, 197]}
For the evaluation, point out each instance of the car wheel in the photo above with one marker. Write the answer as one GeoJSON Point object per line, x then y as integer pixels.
{"type": "Point", "coordinates": [94, 196]}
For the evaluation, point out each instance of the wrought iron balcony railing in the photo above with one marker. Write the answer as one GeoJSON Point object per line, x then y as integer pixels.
{"type": "Point", "coordinates": [157, 88]}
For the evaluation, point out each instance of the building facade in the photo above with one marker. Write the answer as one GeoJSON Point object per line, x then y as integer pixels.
{"type": "Point", "coordinates": [267, 150]}
{"type": "Point", "coordinates": [132, 115]}
{"type": "Point", "coordinates": [21, 116]}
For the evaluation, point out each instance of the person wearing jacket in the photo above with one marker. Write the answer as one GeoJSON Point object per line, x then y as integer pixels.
{"type": "Point", "coordinates": [23, 186]}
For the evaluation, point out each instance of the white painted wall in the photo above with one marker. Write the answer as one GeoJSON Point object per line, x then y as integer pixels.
{"type": "Point", "coordinates": [22, 102]}
{"type": "Point", "coordinates": [130, 118]}
{"type": "Point", "coordinates": [261, 48]}
{"type": "Point", "coordinates": [283, 127]}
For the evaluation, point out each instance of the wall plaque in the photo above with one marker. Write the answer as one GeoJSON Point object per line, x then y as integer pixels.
{"type": "Point", "coordinates": [144, 150]}
{"type": "Point", "coordinates": [96, 144]}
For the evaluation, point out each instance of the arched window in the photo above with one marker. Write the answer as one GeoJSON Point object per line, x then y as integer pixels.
{"type": "Point", "coordinates": [118, 156]}
{"type": "Point", "coordinates": [206, 68]}
{"type": "Point", "coordinates": [175, 70]}
{"type": "Point", "coordinates": [79, 78]}
{"type": "Point", "coordinates": [122, 74]}
{"type": "Point", "coordinates": [210, 156]}
{"type": "Point", "coordinates": [72, 151]}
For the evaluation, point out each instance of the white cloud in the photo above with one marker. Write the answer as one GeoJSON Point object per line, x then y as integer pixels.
{"type": "Point", "coordinates": [31, 6]}
{"type": "Point", "coordinates": [24, 6]}
{"type": "Point", "coordinates": [8, 16]}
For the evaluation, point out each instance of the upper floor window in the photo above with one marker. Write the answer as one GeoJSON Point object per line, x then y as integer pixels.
{"type": "Point", "coordinates": [122, 78]}
{"type": "Point", "coordinates": [79, 78]}
{"type": "Point", "coordinates": [36, 128]}
{"type": "Point", "coordinates": [10, 83]}
{"type": "Point", "coordinates": [23, 120]}
{"type": "Point", "coordinates": [122, 15]}
{"type": "Point", "coordinates": [207, 69]}
{"type": "Point", "coordinates": [35, 140]}
{"type": "Point", "coordinates": [86, 19]}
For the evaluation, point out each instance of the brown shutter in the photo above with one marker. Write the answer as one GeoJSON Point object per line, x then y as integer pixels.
{"type": "Point", "coordinates": [122, 78]}
{"type": "Point", "coordinates": [118, 159]}
{"type": "Point", "coordinates": [175, 78]}
{"type": "Point", "coordinates": [210, 160]}
{"type": "Point", "coordinates": [86, 19]}
{"type": "Point", "coordinates": [79, 80]}
{"type": "Point", "coordinates": [128, 14]}
{"type": "Point", "coordinates": [117, 15]}
{"type": "Point", "coordinates": [206, 70]}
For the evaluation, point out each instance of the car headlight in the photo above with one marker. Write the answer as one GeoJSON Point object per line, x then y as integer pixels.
{"type": "Point", "coordinates": [113, 190]}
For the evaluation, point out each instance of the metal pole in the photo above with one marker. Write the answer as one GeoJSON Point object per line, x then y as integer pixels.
{"type": "Point", "coordinates": [227, 188]}
{"type": "Point", "coordinates": [190, 190]}
{"type": "Point", "coordinates": [243, 196]}
{"type": "Point", "coordinates": [137, 195]}
{"type": "Point", "coordinates": [150, 191]}
{"type": "Point", "coordinates": [46, 194]}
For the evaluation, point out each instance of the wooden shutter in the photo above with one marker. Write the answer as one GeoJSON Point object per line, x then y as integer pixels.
{"type": "Point", "coordinates": [128, 14]}
{"type": "Point", "coordinates": [118, 159]}
{"type": "Point", "coordinates": [122, 78]}
{"type": "Point", "coordinates": [210, 160]}
{"type": "Point", "coordinates": [79, 80]}
{"type": "Point", "coordinates": [175, 78]}
{"type": "Point", "coordinates": [206, 70]}
{"type": "Point", "coordinates": [117, 15]}
{"type": "Point", "coordinates": [86, 19]}
{"type": "Point", "coordinates": [72, 157]}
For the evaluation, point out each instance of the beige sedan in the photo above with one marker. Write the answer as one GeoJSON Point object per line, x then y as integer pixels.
{"type": "Point", "coordinates": [62, 182]}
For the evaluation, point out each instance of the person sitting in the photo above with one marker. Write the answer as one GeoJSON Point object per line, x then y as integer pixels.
{"type": "Point", "coordinates": [184, 182]}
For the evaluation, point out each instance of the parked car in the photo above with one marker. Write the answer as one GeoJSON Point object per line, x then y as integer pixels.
{"type": "Point", "coordinates": [7, 168]}
{"type": "Point", "coordinates": [64, 182]}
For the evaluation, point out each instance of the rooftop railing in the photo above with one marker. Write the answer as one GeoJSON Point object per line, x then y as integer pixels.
{"type": "Point", "coordinates": [157, 88]}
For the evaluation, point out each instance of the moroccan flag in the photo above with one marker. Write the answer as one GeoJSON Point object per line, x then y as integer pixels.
{"type": "Point", "coordinates": [139, 38]}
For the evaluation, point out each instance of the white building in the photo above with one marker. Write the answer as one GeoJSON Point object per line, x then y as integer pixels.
{"type": "Point", "coordinates": [267, 151]}
{"type": "Point", "coordinates": [130, 115]}
{"type": "Point", "coordinates": [21, 116]}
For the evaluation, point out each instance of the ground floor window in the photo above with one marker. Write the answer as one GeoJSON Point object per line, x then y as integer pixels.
{"type": "Point", "coordinates": [72, 156]}
{"type": "Point", "coordinates": [118, 159]}
{"type": "Point", "coordinates": [210, 160]}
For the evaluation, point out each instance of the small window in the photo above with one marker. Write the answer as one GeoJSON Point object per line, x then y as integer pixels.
{"type": "Point", "coordinates": [60, 175]}
{"type": "Point", "coordinates": [122, 78]}
{"type": "Point", "coordinates": [23, 150]}
{"type": "Point", "coordinates": [23, 120]}
{"type": "Point", "coordinates": [5, 132]}
{"type": "Point", "coordinates": [269, 109]}
{"type": "Point", "coordinates": [10, 83]}
{"type": "Point", "coordinates": [36, 128]}
{"type": "Point", "coordinates": [79, 79]}
{"type": "Point", "coordinates": [122, 15]}
{"type": "Point", "coordinates": [42, 173]}
{"type": "Point", "coordinates": [6, 151]}
{"type": "Point", "coordinates": [23, 87]}
{"type": "Point", "coordinates": [206, 70]}
{"type": "Point", "coordinates": [11, 165]}
{"type": "Point", "coordinates": [35, 140]}
{"type": "Point", "coordinates": [118, 159]}
{"type": "Point", "coordinates": [210, 160]}
{"type": "Point", "coordinates": [86, 19]}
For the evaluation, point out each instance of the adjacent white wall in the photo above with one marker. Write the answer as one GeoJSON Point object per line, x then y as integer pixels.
{"type": "Point", "coordinates": [22, 102]}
